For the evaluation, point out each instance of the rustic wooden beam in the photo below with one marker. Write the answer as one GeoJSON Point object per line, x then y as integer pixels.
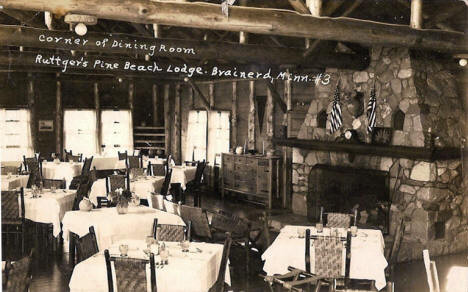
{"type": "Point", "coordinates": [416, 14]}
{"type": "Point", "coordinates": [155, 101]}
{"type": "Point", "coordinates": [299, 6]}
{"type": "Point", "coordinates": [32, 107]}
{"type": "Point", "coordinates": [276, 96]}
{"type": "Point", "coordinates": [211, 94]}
{"type": "Point", "coordinates": [58, 119]}
{"type": "Point", "coordinates": [270, 116]}
{"type": "Point", "coordinates": [97, 108]}
{"type": "Point", "coordinates": [131, 97]}
{"type": "Point", "coordinates": [204, 100]}
{"type": "Point", "coordinates": [191, 94]}
{"type": "Point", "coordinates": [234, 115]}
{"type": "Point", "coordinates": [24, 17]}
{"type": "Point", "coordinates": [251, 134]}
{"type": "Point", "coordinates": [167, 119]}
{"type": "Point", "coordinates": [11, 35]}
{"type": "Point", "coordinates": [176, 129]}
{"type": "Point", "coordinates": [315, 7]}
{"type": "Point", "coordinates": [253, 20]}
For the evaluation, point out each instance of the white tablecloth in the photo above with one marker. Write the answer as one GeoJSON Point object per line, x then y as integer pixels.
{"type": "Point", "coordinates": [192, 271]}
{"type": "Point", "coordinates": [50, 207]}
{"type": "Point", "coordinates": [142, 187]}
{"type": "Point", "coordinates": [367, 254]}
{"type": "Point", "coordinates": [113, 162]}
{"type": "Point", "coordinates": [457, 279]}
{"type": "Point", "coordinates": [13, 182]}
{"type": "Point", "coordinates": [111, 226]}
{"type": "Point", "coordinates": [183, 174]}
{"type": "Point", "coordinates": [62, 170]}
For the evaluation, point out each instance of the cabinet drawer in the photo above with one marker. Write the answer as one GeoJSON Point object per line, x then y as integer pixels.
{"type": "Point", "coordinates": [263, 162]}
{"type": "Point", "coordinates": [228, 159]}
{"type": "Point", "coordinates": [228, 165]}
{"type": "Point", "coordinates": [239, 159]}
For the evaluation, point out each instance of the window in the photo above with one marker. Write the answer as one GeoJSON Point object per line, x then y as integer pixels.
{"type": "Point", "coordinates": [196, 137]}
{"type": "Point", "coordinates": [15, 129]}
{"type": "Point", "coordinates": [218, 135]}
{"type": "Point", "coordinates": [116, 131]}
{"type": "Point", "coordinates": [79, 131]}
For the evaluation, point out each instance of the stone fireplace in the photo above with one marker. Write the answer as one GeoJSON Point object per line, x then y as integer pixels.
{"type": "Point", "coordinates": [418, 105]}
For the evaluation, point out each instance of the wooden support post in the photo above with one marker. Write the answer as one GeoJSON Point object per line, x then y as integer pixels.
{"type": "Point", "coordinates": [32, 108]}
{"type": "Point", "coordinates": [131, 96]}
{"type": "Point", "coordinates": [58, 118]}
{"type": "Point", "coordinates": [191, 93]}
{"type": "Point", "coordinates": [176, 130]}
{"type": "Point", "coordinates": [167, 119]}
{"type": "Point", "coordinates": [156, 96]}
{"type": "Point", "coordinates": [97, 107]}
{"type": "Point", "coordinates": [243, 37]}
{"type": "Point", "coordinates": [276, 97]}
{"type": "Point", "coordinates": [270, 122]}
{"type": "Point", "coordinates": [416, 14]}
{"type": "Point", "coordinates": [234, 115]}
{"type": "Point", "coordinates": [157, 30]}
{"type": "Point", "coordinates": [252, 117]}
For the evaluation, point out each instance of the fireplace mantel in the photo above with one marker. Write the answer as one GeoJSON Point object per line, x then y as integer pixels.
{"type": "Point", "coordinates": [415, 153]}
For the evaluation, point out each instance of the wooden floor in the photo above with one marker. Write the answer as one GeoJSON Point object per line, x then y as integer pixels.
{"type": "Point", "coordinates": [51, 272]}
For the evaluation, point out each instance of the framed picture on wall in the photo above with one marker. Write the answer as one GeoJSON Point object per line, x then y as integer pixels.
{"type": "Point", "coordinates": [46, 125]}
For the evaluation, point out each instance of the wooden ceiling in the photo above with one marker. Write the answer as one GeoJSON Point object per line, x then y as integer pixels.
{"type": "Point", "coordinates": [440, 15]}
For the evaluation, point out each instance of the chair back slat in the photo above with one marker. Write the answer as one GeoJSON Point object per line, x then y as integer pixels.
{"type": "Point", "coordinates": [199, 219]}
{"type": "Point", "coordinates": [157, 169]}
{"type": "Point", "coordinates": [133, 162]}
{"type": "Point", "coordinates": [57, 183]}
{"type": "Point", "coordinates": [226, 223]}
{"type": "Point", "coordinates": [75, 158]}
{"type": "Point", "coordinates": [86, 246]}
{"type": "Point", "coordinates": [12, 208]}
{"type": "Point", "coordinates": [170, 232]}
{"type": "Point", "coordinates": [116, 181]}
{"type": "Point", "coordinates": [87, 166]}
{"type": "Point", "coordinates": [122, 155]}
{"type": "Point", "coordinates": [338, 220]}
{"type": "Point", "coordinates": [199, 171]}
{"type": "Point", "coordinates": [329, 257]}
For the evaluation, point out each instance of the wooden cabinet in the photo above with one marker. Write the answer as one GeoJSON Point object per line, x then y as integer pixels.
{"type": "Point", "coordinates": [256, 176]}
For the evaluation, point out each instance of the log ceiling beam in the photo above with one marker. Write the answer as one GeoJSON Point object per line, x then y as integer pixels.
{"type": "Point", "coordinates": [254, 20]}
{"type": "Point", "coordinates": [24, 17]}
{"type": "Point", "coordinates": [12, 35]}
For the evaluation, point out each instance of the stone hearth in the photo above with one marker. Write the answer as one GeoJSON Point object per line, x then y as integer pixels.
{"type": "Point", "coordinates": [416, 94]}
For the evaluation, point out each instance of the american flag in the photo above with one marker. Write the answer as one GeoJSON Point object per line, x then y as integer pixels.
{"type": "Point", "coordinates": [371, 106]}
{"type": "Point", "coordinates": [336, 119]}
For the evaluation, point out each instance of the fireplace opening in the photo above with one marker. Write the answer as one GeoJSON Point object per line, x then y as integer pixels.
{"type": "Point", "coordinates": [340, 189]}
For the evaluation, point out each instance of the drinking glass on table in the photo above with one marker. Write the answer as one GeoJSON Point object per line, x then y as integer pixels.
{"type": "Point", "coordinates": [123, 248]}
{"type": "Point", "coordinates": [53, 189]}
{"type": "Point", "coordinates": [9, 175]}
{"type": "Point", "coordinates": [185, 245]}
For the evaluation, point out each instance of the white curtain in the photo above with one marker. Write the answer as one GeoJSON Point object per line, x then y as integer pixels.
{"type": "Point", "coordinates": [218, 135]}
{"type": "Point", "coordinates": [15, 134]}
{"type": "Point", "coordinates": [196, 136]}
{"type": "Point", "coordinates": [79, 132]}
{"type": "Point", "coordinates": [117, 131]}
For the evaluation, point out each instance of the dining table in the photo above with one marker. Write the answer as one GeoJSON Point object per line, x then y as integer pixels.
{"type": "Point", "coordinates": [48, 206]}
{"type": "Point", "coordinates": [183, 174]}
{"type": "Point", "coordinates": [12, 181]}
{"type": "Point", "coordinates": [142, 186]}
{"type": "Point", "coordinates": [367, 252]}
{"type": "Point", "coordinates": [110, 226]}
{"type": "Point", "coordinates": [61, 170]}
{"type": "Point", "coordinates": [101, 162]}
{"type": "Point", "coordinates": [195, 270]}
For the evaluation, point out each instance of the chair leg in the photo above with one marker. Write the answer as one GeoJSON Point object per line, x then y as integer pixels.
{"type": "Point", "coordinates": [319, 285]}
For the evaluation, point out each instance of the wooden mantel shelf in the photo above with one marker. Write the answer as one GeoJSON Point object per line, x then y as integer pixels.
{"type": "Point", "coordinates": [415, 153]}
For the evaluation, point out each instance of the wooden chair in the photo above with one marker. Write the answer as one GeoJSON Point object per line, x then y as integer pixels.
{"type": "Point", "coordinates": [84, 176]}
{"type": "Point", "coordinates": [166, 183]}
{"type": "Point", "coordinates": [116, 181]}
{"type": "Point", "coordinates": [18, 275]}
{"type": "Point", "coordinates": [66, 154]}
{"type": "Point", "coordinates": [178, 195]}
{"type": "Point", "coordinates": [85, 246]}
{"type": "Point", "coordinates": [27, 161]}
{"type": "Point", "coordinates": [339, 220]}
{"type": "Point", "coordinates": [81, 192]}
{"type": "Point", "coordinates": [157, 169]}
{"type": "Point", "coordinates": [11, 169]}
{"type": "Point", "coordinates": [57, 183]}
{"type": "Point", "coordinates": [33, 167]}
{"type": "Point", "coordinates": [13, 220]}
{"type": "Point", "coordinates": [199, 221]}
{"type": "Point", "coordinates": [238, 228]}
{"type": "Point", "coordinates": [220, 284]}
{"type": "Point", "coordinates": [75, 158]}
{"type": "Point", "coordinates": [431, 272]}
{"type": "Point", "coordinates": [295, 280]}
{"type": "Point", "coordinates": [169, 232]}
{"type": "Point", "coordinates": [122, 155]}
{"type": "Point", "coordinates": [171, 207]}
{"type": "Point", "coordinates": [130, 274]}
{"type": "Point", "coordinates": [133, 162]}
{"type": "Point", "coordinates": [196, 183]}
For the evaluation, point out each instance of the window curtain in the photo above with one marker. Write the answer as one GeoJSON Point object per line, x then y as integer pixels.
{"type": "Point", "coordinates": [218, 135]}
{"type": "Point", "coordinates": [117, 131]}
{"type": "Point", "coordinates": [79, 132]}
{"type": "Point", "coordinates": [15, 133]}
{"type": "Point", "coordinates": [196, 136]}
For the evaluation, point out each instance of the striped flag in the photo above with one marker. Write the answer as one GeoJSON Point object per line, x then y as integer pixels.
{"type": "Point", "coordinates": [371, 107]}
{"type": "Point", "coordinates": [336, 119]}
